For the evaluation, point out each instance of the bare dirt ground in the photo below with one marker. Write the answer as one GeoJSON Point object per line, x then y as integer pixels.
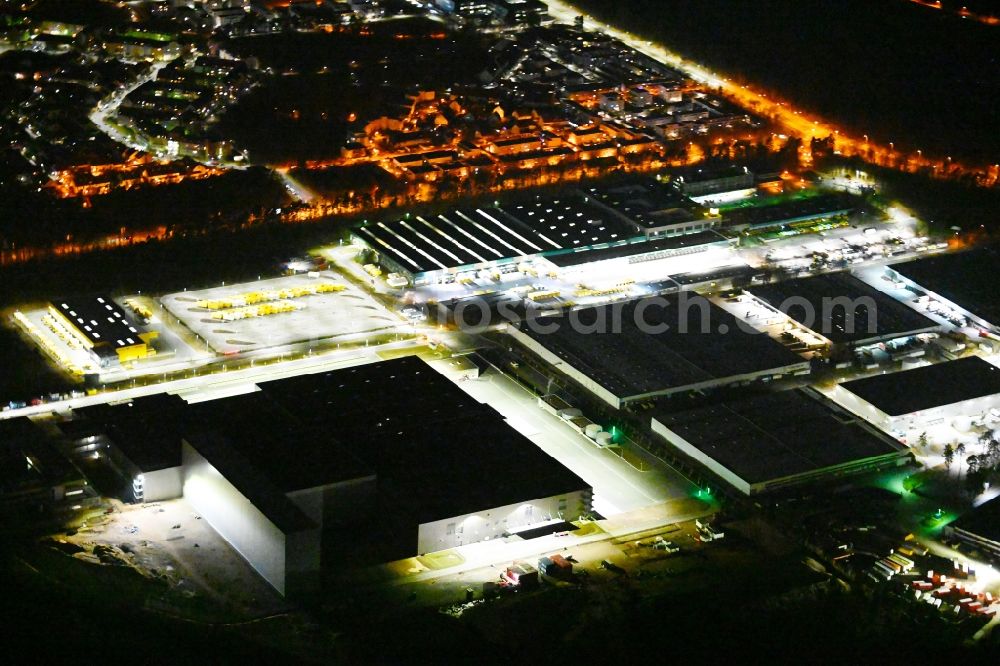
{"type": "Point", "coordinates": [169, 541]}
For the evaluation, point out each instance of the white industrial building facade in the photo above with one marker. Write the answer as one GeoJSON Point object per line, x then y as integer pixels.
{"type": "Point", "coordinates": [272, 533]}
{"type": "Point", "coordinates": [265, 472]}
{"type": "Point", "coordinates": [923, 397]}
{"type": "Point", "coordinates": [496, 522]}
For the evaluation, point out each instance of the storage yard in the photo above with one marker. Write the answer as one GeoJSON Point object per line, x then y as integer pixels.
{"type": "Point", "coordinates": [281, 311]}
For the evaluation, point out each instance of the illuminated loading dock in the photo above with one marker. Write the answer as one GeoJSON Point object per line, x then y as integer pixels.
{"type": "Point", "coordinates": [99, 325]}
{"type": "Point", "coordinates": [682, 343]}
{"type": "Point", "coordinates": [843, 309]}
{"type": "Point", "coordinates": [776, 440]}
{"type": "Point", "coordinates": [588, 261]}
{"type": "Point", "coordinates": [925, 396]}
{"type": "Point", "coordinates": [371, 463]}
{"type": "Point", "coordinates": [966, 282]}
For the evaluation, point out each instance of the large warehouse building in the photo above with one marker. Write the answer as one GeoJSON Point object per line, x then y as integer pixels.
{"type": "Point", "coordinates": [450, 466]}
{"type": "Point", "coordinates": [778, 440]}
{"type": "Point", "coordinates": [309, 469]}
{"type": "Point", "coordinates": [685, 343]}
{"type": "Point", "coordinates": [535, 235]}
{"type": "Point", "coordinates": [230, 459]}
{"type": "Point", "coordinates": [791, 212]}
{"type": "Point", "coordinates": [843, 309]}
{"type": "Point", "coordinates": [143, 452]}
{"type": "Point", "coordinates": [656, 207]}
{"type": "Point", "coordinates": [930, 395]}
{"type": "Point", "coordinates": [433, 249]}
{"type": "Point", "coordinates": [980, 528]}
{"type": "Point", "coordinates": [966, 282]}
{"type": "Point", "coordinates": [99, 325]}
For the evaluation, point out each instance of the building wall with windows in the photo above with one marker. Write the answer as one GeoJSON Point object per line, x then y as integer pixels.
{"type": "Point", "coordinates": [493, 523]}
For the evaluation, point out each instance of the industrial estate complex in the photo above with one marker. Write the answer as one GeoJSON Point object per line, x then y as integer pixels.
{"type": "Point", "coordinates": [582, 312]}
{"type": "Point", "coordinates": [279, 472]}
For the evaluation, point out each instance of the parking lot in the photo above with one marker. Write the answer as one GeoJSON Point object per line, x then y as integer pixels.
{"type": "Point", "coordinates": [281, 311]}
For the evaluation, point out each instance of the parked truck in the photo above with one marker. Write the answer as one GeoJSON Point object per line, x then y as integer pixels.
{"type": "Point", "coordinates": [556, 566]}
{"type": "Point", "coordinates": [706, 532]}
{"type": "Point", "coordinates": [520, 575]}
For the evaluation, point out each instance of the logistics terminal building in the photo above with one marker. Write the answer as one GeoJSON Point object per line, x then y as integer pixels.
{"type": "Point", "coordinates": [625, 352]}
{"type": "Point", "coordinates": [99, 325]}
{"type": "Point", "coordinates": [925, 396]}
{"type": "Point", "coordinates": [777, 440]}
{"type": "Point", "coordinates": [843, 309]}
{"type": "Point", "coordinates": [980, 528]}
{"type": "Point", "coordinates": [966, 282]}
{"type": "Point", "coordinates": [309, 471]}
{"type": "Point", "coordinates": [537, 235]}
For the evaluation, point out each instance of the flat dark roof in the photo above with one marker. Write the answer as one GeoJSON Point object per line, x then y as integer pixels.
{"type": "Point", "coordinates": [777, 435]}
{"type": "Point", "coordinates": [968, 279]}
{"type": "Point", "coordinates": [724, 273]}
{"type": "Point", "coordinates": [824, 205]}
{"type": "Point", "coordinates": [435, 450]}
{"type": "Point", "coordinates": [419, 158]}
{"type": "Point", "coordinates": [571, 222]}
{"type": "Point", "coordinates": [101, 320]}
{"type": "Point", "coordinates": [293, 456]}
{"type": "Point", "coordinates": [644, 201]}
{"type": "Point", "coordinates": [700, 174]}
{"type": "Point", "coordinates": [928, 386]}
{"type": "Point", "coordinates": [254, 483]}
{"type": "Point", "coordinates": [20, 438]}
{"type": "Point", "coordinates": [567, 259]}
{"type": "Point", "coordinates": [146, 430]}
{"type": "Point", "coordinates": [983, 521]}
{"type": "Point", "coordinates": [694, 349]}
{"type": "Point", "coordinates": [882, 316]}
